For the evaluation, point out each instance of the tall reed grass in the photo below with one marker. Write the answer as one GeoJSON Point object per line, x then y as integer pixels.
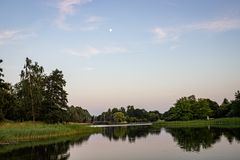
{"type": "Point", "coordinates": [12, 132]}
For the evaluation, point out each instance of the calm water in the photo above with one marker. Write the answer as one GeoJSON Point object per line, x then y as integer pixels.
{"type": "Point", "coordinates": [138, 143]}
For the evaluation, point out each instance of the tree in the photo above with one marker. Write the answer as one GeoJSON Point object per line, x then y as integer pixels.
{"type": "Point", "coordinates": [188, 108]}
{"type": "Point", "coordinates": [235, 106]}
{"type": "Point", "coordinates": [114, 110]}
{"type": "Point", "coordinates": [237, 96]}
{"type": "Point", "coordinates": [184, 108]}
{"type": "Point", "coordinates": [7, 98]}
{"type": "Point", "coordinates": [122, 109]}
{"type": "Point", "coordinates": [214, 107]}
{"type": "Point", "coordinates": [152, 116]}
{"type": "Point", "coordinates": [203, 109]}
{"type": "Point", "coordinates": [224, 108]}
{"type": "Point", "coordinates": [77, 114]}
{"type": "Point", "coordinates": [130, 111]}
{"type": "Point", "coordinates": [119, 117]}
{"type": "Point", "coordinates": [1, 74]}
{"type": "Point", "coordinates": [55, 103]}
{"type": "Point", "coordinates": [2, 92]}
{"type": "Point", "coordinates": [30, 88]}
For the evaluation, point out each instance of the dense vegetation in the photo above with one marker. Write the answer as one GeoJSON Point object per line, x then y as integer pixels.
{"type": "Point", "coordinates": [128, 115]}
{"type": "Point", "coordinates": [38, 97]}
{"type": "Point", "coordinates": [190, 108]}
{"type": "Point", "coordinates": [218, 122]}
{"type": "Point", "coordinates": [12, 132]}
{"type": "Point", "coordinates": [42, 97]}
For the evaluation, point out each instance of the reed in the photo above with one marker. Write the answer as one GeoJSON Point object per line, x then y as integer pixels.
{"type": "Point", "coordinates": [14, 132]}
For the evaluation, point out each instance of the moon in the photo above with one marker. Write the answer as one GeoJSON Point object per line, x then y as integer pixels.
{"type": "Point", "coordinates": [110, 30]}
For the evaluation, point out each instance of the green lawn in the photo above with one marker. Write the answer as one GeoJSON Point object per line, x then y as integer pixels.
{"type": "Point", "coordinates": [221, 122]}
{"type": "Point", "coordinates": [13, 132]}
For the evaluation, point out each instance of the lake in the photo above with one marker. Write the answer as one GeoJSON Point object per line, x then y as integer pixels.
{"type": "Point", "coordinates": [136, 143]}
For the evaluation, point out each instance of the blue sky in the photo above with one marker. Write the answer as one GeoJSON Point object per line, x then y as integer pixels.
{"type": "Point", "coordinates": [157, 51]}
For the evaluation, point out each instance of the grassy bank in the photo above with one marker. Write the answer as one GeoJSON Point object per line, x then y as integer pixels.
{"type": "Point", "coordinates": [11, 132]}
{"type": "Point", "coordinates": [44, 142]}
{"type": "Point", "coordinates": [221, 122]}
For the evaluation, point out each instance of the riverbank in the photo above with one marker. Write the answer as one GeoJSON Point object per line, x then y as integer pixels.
{"type": "Point", "coordinates": [14, 132]}
{"type": "Point", "coordinates": [221, 122]}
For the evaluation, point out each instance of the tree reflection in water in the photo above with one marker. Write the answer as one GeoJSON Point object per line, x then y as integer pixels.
{"type": "Point", "coordinates": [54, 151]}
{"type": "Point", "coordinates": [189, 139]}
{"type": "Point", "coordinates": [193, 139]}
{"type": "Point", "coordinates": [131, 133]}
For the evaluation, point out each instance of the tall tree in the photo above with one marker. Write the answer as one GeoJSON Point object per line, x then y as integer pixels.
{"type": "Point", "coordinates": [2, 88]}
{"type": "Point", "coordinates": [224, 108]}
{"type": "Point", "coordinates": [30, 88]}
{"type": "Point", "coordinates": [56, 97]}
{"type": "Point", "coordinates": [1, 74]}
{"type": "Point", "coordinates": [235, 106]}
{"type": "Point", "coordinates": [7, 99]}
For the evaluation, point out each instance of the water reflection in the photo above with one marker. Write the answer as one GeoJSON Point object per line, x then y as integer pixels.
{"type": "Point", "coordinates": [129, 132]}
{"type": "Point", "coordinates": [54, 151]}
{"type": "Point", "coordinates": [188, 139]}
{"type": "Point", "coordinates": [193, 139]}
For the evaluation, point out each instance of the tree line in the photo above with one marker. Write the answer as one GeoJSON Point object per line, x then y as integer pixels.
{"type": "Point", "coordinates": [38, 97]}
{"type": "Point", "coordinates": [191, 108]}
{"type": "Point", "coordinates": [130, 114]}
{"type": "Point", "coordinates": [42, 97]}
{"type": "Point", "coordinates": [186, 108]}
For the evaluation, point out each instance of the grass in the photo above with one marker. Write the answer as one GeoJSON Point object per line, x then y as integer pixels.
{"type": "Point", "coordinates": [221, 122]}
{"type": "Point", "coordinates": [42, 142]}
{"type": "Point", "coordinates": [12, 132]}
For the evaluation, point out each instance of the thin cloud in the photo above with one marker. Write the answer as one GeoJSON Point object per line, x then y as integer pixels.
{"type": "Point", "coordinates": [67, 8]}
{"type": "Point", "coordinates": [94, 19]}
{"type": "Point", "coordinates": [173, 33]}
{"type": "Point", "coordinates": [91, 23]}
{"type": "Point", "coordinates": [94, 51]}
{"type": "Point", "coordinates": [221, 25]}
{"type": "Point", "coordinates": [13, 35]}
{"type": "Point", "coordinates": [165, 34]}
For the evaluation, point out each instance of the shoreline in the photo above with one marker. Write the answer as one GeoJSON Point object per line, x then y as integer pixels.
{"type": "Point", "coordinates": [219, 122]}
{"type": "Point", "coordinates": [121, 125]}
{"type": "Point", "coordinates": [17, 132]}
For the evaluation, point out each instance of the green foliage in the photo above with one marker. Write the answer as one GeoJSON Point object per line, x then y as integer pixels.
{"type": "Point", "coordinates": [7, 98]}
{"type": "Point", "coordinates": [30, 89]}
{"type": "Point", "coordinates": [15, 132]}
{"type": "Point", "coordinates": [235, 106]}
{"type": "Point", "coordinates": [77, 114]}
{"type": "Point", "coordinates": [119, 117]}
{"type": "Point", "coordinates": [219, 122]}
{"type": "Point", "coordinates": [38, 97]}
{"type": "Point", "coordinates": [189, 108]}
{"type": "Point", "coordinates": [131, 114]}
{"type": "Point", "coordinates": [224, 108]}
{"type": "Point", "coordinates": [55, 101]}
{"type": "Point", "coordinates": [153, 116]}
{"type": "Point", "coordinates": [2, 93]}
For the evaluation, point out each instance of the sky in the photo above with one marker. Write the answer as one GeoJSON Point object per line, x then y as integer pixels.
{"type": "Point", "coordinates": [146, 53]}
